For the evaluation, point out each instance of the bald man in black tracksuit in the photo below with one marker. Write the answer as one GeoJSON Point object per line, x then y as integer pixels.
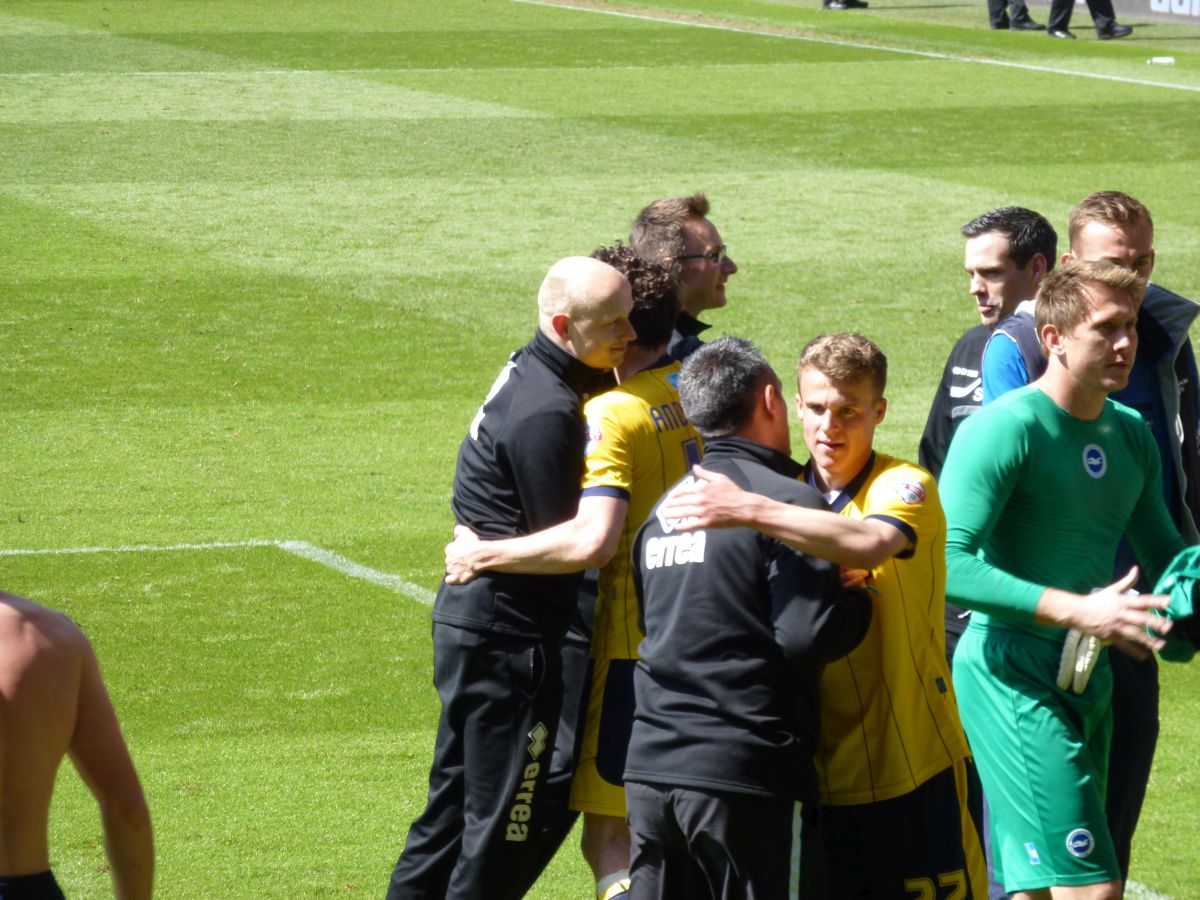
{"type": "Point", "coordinates": [497, 639]}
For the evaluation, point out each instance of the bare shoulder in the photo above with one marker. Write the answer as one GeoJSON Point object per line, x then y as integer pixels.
{"type": "Point", "coordinates": [29, 626]}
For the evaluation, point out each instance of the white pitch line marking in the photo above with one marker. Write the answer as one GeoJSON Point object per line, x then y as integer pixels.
{"type": "Point", "coordinates": [1136, 891]}
{"type": "Point", "coordinates": [903, 51]}
{"type": "Point", "coordinates": [139, 548]}
{"type": "Point", "coordinates": [349, 567]}
{"type": "Point", "coordinates": [303, 549]}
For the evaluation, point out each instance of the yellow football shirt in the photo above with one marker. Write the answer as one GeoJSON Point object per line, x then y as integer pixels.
{"type": "Point", "coordinates": [639, 444]}
{"type": "Point", "coordinates": [889, 717]}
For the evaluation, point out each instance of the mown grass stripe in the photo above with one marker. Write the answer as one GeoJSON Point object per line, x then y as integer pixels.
{"type": "Point", "coordinates": [858, 45]}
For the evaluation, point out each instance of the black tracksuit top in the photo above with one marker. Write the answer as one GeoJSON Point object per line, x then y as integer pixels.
{"type": "Point", "coordinates": [519, 471]}
{"type": "Point", "coordinates": [738, 626]}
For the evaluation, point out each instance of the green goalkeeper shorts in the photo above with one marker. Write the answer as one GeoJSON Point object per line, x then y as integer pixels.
{"type": "Point", "coordinates": [1042, 755]}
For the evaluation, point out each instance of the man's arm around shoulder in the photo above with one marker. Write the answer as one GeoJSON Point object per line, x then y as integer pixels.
{"type": "Point", "coordinates": [587, 541]}
{"type": "Point", "coordinates": [716, 501]}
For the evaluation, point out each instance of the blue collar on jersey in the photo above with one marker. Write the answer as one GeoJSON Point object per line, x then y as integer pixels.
{"type": "Point", "coordinates": [847, 493]}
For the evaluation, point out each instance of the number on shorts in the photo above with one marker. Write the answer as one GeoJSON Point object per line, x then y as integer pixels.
{"type": "Point", "coordinates": [924, 889]}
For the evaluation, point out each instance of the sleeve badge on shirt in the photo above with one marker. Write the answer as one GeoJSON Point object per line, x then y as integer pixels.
{"type": "Point", "coordinates": [594, 437]}
{"type": "Point", "coordinates": [911, 492]}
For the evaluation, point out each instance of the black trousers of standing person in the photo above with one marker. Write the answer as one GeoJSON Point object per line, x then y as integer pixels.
{"type": "Point", "coordinates": [711, 845]}
{"type": "Point", "coordinates": [1131, 756]}
{"type": "Point", "coordinates": [489, 816]}
{"type": "Point", "coordinates": [1000, 11]}
{"type": "Point", "coordinates": [1102, 14]}
{"type": "Point", "coordinates": [576, 663]}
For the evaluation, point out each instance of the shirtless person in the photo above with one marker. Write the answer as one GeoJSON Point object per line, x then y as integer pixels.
{"type": "Point", "coordinates": [53, 703]}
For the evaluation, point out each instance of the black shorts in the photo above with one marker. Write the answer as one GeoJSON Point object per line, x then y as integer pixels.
{"type": "Point", "coordinates": [30, 887]}
{"type": "Point", "coordinates": [925, 843]}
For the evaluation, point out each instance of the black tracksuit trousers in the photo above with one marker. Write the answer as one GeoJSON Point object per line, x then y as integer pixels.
{"type": "Point", "coordinates": [489, 818]}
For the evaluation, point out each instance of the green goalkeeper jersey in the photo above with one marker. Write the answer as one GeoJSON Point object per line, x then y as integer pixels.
{"type": "Point", "coordinates": [1037, 498]}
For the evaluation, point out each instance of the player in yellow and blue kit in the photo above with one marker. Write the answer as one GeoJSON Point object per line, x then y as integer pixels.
{"type": "Point", "coordinates": [892, 759]}
{"type": "Point", "coordinates": [639, 443]}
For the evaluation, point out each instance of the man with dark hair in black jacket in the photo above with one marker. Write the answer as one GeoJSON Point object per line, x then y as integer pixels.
{"type": "Point", "coordinates": [719, 775]}
{"type": "Point", "coordinates": [1009, 251]}
{"type": "Point", "coordinates": [496, 640]}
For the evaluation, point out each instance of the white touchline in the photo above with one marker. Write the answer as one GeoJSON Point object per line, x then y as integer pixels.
{"type": "Point", "coordinates": [1136, 891]}
{"type": "Point", "coordinates": [882, 48]}
{"type": "Point", "coordinates": [357, 570]}
{"type": "Point", "coordinates": [138, 548]}
{"type": "Point", "coordinates": [303, 549]}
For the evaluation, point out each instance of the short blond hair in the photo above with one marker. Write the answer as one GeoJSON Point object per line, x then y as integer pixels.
{"type": "Point", "coordinates": [1062, 299]}
{"type": "Point", "coordinates": [845, 357]}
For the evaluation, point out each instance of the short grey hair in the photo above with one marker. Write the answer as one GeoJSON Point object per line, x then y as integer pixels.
{"type": "Point", "coordinates": [718, 385]}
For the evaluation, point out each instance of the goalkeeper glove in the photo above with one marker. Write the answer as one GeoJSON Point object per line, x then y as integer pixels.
{"type": "Point", "coordinates": [1080, 654]}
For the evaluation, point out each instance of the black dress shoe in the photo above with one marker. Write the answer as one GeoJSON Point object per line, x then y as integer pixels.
{"type": "Point", "coordinates": [844, 4]}
{"type": "Point", "coordinates": [1003, 26]}
{"type": "Point", "coordinates": [1060, 33]}
{"type": "Point", "coordinates": [1026, 25]}
{"type": "Point", "coordinates": [1115, 31]}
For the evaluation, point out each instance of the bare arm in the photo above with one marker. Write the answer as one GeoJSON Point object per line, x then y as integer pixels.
{"type": "Point", "coordinates": [587, 541]}
{"type": "Point", "coordinates": [715, 501]}
{"type": "Point", "coordinates": [100, 755]}
{"type": "Point", "coordinates": [1109, 614]}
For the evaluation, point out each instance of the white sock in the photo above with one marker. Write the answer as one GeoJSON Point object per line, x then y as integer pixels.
{"type": "Point", "coordinates": [612, 885]}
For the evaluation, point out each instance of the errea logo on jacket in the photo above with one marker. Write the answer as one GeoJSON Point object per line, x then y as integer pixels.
{"type": "Point", "coordinates": [675, 549]}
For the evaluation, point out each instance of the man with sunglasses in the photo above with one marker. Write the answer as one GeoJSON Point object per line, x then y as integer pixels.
{"type": "Point", "coordinates": [676, 232]}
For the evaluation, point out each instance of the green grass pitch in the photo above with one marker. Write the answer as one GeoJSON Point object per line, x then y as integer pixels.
{"type": "Point", "coordinates": [259, 262]}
